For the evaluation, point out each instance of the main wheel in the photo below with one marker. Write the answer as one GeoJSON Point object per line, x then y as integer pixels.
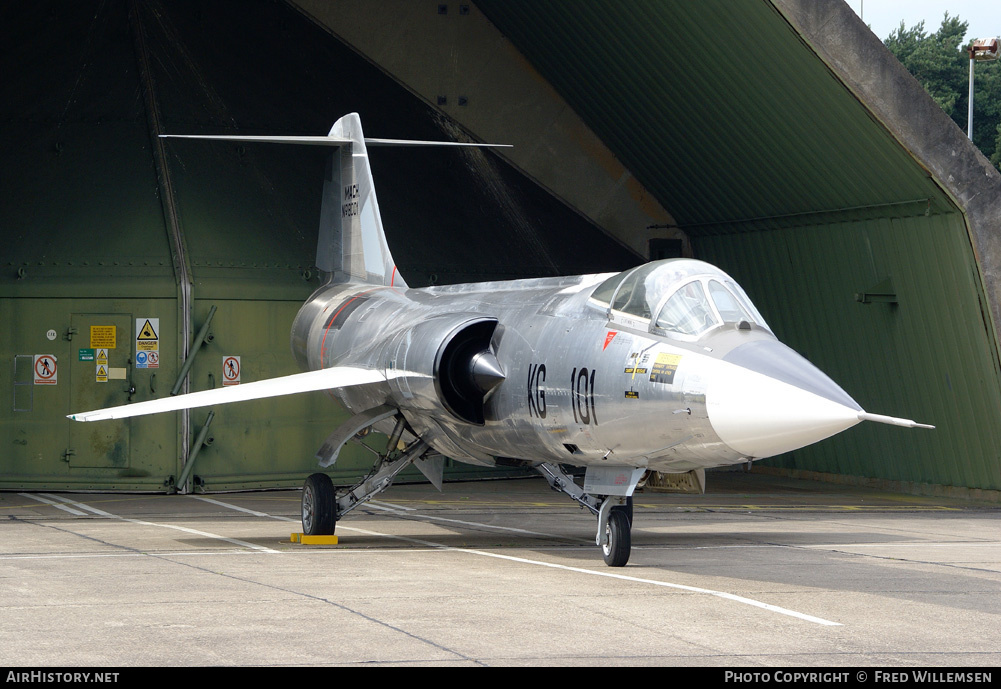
{"type": "Point", "coordinates": [319, 517]}
{"type": "Point", "coordinates": [618, 539]}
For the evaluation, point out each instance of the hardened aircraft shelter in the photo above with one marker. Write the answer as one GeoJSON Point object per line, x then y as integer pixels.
{"type": "Point", "coordinates": [777, 139]}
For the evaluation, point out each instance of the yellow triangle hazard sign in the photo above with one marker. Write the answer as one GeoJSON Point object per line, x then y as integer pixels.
{"type": "Point", "coordinates": [147, 332]}
{"type": "Point", "coordinates": [101, 371]}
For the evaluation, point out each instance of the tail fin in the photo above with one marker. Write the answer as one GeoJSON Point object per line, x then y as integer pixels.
{"type": "Point", "coordinates": [352, 244]}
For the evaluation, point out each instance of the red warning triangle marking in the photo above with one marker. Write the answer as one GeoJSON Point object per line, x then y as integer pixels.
{"type": "Point", "coordinates": [608, 338]}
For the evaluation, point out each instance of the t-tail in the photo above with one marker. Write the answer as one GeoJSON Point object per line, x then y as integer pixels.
{"type": "Point", "coordinates": [351, 247]}
{"type": "Point", "coordinates": [351, 244]}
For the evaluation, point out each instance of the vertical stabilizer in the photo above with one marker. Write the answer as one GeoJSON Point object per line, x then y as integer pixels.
{"type": "Point", "coordinates": [352, 245]}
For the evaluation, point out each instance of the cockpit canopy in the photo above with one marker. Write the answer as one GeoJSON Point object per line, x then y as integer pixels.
{"type": "Point", "coordinates": [678, 297]}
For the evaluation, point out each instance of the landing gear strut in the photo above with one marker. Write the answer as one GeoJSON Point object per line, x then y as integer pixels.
{"type": "Point", "coordinates": [614, 512]}
{"type": "Point", "coordinates": [323, 507]}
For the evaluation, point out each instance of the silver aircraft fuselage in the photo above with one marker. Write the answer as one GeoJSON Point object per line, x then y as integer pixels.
{"type": "Point", "coordinates": [667, 366]}
{"type": "Point", "coordinates": [584, 384]}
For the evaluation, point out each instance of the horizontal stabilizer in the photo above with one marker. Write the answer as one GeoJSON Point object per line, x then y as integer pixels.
{"type": "Point", "coordinates": [326, 379]}
{"type": "Point", "coordinates": [410, 142]}
{"type": "Point", "coordinates": [327, 140]}
{"type": "Point", "coordinates": [891, 420]}
{"type": "Point", "coordinates": [307, 140]}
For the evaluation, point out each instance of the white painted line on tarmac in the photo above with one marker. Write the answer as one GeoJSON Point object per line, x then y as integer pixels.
{"type": "Point", "coordinates": [242, 509]}
{"type": "Point", "coordinates": [382, 505]}
{"type": "Point", "coordinates": [52, 502]}
{"type": "Point", "coordinates": [579, 570]}
{"type": "Point", "coordinates": [390, 507]}
{"type": "Point", "coordinates": [897, 544]}
{"type": "Point", "coordinates": [195, 532]}
{"type": "Point", "coordinates": [610, 575]}
{"type": "Point", "coordinates": [478, 525]}
{"type": "Point", "coordinates": [665, 584]}
{"type": "Point", "coordinates": [89, 556]}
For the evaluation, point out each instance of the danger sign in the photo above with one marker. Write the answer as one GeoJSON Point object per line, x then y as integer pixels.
{"type": "Point", "coordinates": [147, 343]}
{"type": "Point", "coordinates": [147, 339]}
{"type": "Point", "coordinates": [45, 369]}
{"type": "Point", "coordinates": [231, 370]}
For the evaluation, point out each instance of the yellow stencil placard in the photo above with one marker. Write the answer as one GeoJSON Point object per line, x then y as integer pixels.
{"type": "Point", "coordinates": [664, 368]}
{"type": "Point", "coordinates": [102, 336]}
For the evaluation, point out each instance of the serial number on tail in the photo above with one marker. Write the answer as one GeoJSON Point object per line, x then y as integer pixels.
{"type": "Point", "coordinates": [349, 204]}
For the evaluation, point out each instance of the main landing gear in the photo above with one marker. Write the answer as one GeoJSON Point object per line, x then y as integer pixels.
{"type": "Point", "coordinates": [614, 512]}
{"type": "Point", "coordinates": [323, 507]}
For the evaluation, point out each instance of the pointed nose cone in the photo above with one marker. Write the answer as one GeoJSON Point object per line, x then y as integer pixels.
{"type": "Point", "coordinates": [771, 400]}
{"type": "Point", "coordinates": [486, 371]}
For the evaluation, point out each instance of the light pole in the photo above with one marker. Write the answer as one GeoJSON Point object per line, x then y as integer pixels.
{"type": "Point", "coordinates": [981, 50]}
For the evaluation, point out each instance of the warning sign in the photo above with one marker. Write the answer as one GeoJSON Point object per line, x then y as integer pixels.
{"type": "Point", "coordinates": [102, 356]}
{"type": "Point", "coordinates": [148, 341]}
{"type": "Point", "coordinates": [664, 368]}
{"type": "Point", "coordinates": [147, 360]}
{"type": "Point", "coordinates": [45, 369]}
{"type": "Point", "coordinates": [102, 373]}
{"type": "Point", "coordinates": [231, 370]}
{"type": "Point", "coordinates": [103, 336]}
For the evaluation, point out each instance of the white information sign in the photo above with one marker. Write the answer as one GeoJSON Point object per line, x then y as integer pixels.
{"type": "Point", "coordinates": [45, 369]}
{"type": "Point", "coordinates": [231, 370]}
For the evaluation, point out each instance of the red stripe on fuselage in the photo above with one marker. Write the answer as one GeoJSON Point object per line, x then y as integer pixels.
{"type": "Point", "coordinates": [343, 306]}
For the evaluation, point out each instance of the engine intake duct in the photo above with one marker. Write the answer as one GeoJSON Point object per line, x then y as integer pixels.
{"type": "Point", "coordinates": [466, 370]}
{"type": "Point", "coordinates": [445, 367]}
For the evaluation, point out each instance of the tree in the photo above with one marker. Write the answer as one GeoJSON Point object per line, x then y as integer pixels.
{"type": "Point", "coordinates": [941, 63]}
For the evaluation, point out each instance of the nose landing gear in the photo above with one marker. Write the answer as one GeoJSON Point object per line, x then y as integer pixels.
{"type": "Point", "coordinates": [614, 512]}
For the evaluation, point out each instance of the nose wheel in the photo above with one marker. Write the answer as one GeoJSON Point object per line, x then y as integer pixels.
{"type": "Point", "coordinates": [618, 539]}
{"type": "Point", "coordinates": [614, 512]}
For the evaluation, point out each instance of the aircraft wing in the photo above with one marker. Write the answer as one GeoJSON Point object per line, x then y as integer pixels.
{"type": "Point", "coordinates": [325, 379]}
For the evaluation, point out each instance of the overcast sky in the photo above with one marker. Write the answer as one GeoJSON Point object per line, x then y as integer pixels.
{"type": "Point", "coordinates": [883, 16]}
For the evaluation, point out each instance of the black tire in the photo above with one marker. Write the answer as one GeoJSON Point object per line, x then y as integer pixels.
{"type": "Point", "coordinates": [619, 539]}
{"type": "Point", "coordinates": [319, 517]}
{"type": "Point", "coordinates": [627, 509]}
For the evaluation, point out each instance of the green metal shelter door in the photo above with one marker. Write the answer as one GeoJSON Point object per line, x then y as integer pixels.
{"type": "Point", "coordinates": [100, 375]}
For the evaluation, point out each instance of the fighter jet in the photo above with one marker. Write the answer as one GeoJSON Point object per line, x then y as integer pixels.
{"type": "Point", "coordinates": [666, 367]}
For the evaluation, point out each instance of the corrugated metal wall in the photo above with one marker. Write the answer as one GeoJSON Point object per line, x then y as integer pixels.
{"type": "Point", "coordinates": [717, 106]}
{"type": "Point", "coordinates": [928, 356]}
{"type": "Point", "coordinates": [89, 239]}
{"type": "Point", "coordinates": [782, 177]}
